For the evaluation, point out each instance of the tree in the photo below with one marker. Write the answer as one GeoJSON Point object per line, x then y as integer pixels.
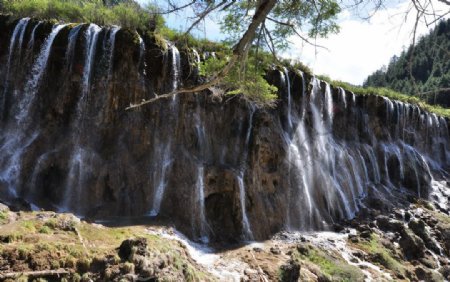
{"type": "Point", "coordinates": [430, 67]}
{"type": "Point", "coordinates": [269, 23]}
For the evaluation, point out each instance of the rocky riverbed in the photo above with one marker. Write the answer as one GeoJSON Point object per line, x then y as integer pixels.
{"type": "Point", "coordinates": [408, 244]}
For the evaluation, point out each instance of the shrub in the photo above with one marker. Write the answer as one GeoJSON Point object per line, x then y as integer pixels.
{"type": "Point", "coordinates": [45, 230]}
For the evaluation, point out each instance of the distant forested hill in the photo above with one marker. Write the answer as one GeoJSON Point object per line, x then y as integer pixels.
{"type": "Point", "coordinates": [430, 68]}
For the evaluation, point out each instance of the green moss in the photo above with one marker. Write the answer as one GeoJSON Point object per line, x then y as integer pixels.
{"type": "Point", "coordinates": [381, 255]}
{"type": "Point", "coordinates": [335, 268]}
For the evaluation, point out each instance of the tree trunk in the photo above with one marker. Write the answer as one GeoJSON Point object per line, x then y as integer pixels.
{"type": "Point", "coordinates": [239, 50]}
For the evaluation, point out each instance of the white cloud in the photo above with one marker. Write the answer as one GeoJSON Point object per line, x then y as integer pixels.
{"type": "Point", "coordinates": [362, 46]}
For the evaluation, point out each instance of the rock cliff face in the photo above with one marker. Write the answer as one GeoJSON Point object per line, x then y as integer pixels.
{"type": "Point", "coordinates": [218, 166]}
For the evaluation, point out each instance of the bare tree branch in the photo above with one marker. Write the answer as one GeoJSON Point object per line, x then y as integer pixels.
{"type": "Point", "coordinates": [208, 10]}
{"type": "Point", "coordinates": [175, 8]}
{"type": "Point", "coordinates": [296, 32]}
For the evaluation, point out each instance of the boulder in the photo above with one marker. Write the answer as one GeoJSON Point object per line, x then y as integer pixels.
{"type": "Point", "coordinates": [290, 272]}
{"type": "Point", "coordinates": [131, 247]}
{"type": "Point", "coordinates": [412, 245]}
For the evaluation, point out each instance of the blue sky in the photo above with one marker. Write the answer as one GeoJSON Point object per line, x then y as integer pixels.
{"type": "Point", "coordinates": [361, 47]}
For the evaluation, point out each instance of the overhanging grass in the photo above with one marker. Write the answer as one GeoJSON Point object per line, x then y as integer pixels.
{"type": "Point", "coordinates": [128, 14]}
{"type": "Point", "coordinates": [391, 94]}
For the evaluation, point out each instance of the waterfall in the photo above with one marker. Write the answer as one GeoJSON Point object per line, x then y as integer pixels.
{"type": "Point", "coordinates": [343, 97]}
{"type": "Point", "coordinates": [33, 35]}
{"type": "Point", "coordinates": [162, 153]}
{"type": "Point", "coordinates": [288, 87]}
{"type": "Point", "coordinates": [199, 208]}
{"type": "Point", "coordinates": [312, 157]}
{"type": "Point", "coordinates": [37, 72]}
{"type": "Point", "coordinates": [78, 162]}
{"type": "Point", "coordinates": [248, 234]}
{"type": "Point", "coordinates": [73, 37]}
{"type": "Point", "coordinates": [142, 65]}
{"type": "Point", "coordinates": [162, 150]}
{"type": "Point", "coordinates": [74, 180]}
{"type": "Point", "coordinates": [91, 35]}
{"type": "Point", "coordinates": [18, 32]}
{"type": "Point", "coordinates": [111, 43]}
{"type": "Point", "coordinates": [175, 68]}
{"type": "Point", "coordinates": [21, 37]}
{"type": "Point", "coordinates": [201, 204]}
{"type": "Point", "coordinates": [162, 161]}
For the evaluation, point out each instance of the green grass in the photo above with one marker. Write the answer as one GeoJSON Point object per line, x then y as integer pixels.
{"type": "Point", "coordinates": [128, 15]}
{"type": "Point", "coordinates": [391, 94]}
{"type": "Point", "coordinates": [43, 238]}
{"type": "Point", "coordinates": [4, 217]}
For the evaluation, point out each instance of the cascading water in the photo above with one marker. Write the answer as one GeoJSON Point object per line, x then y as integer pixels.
{"type": "Point", "coordinates": [37, 72]}
{"type": "Point", "coordinates": [162, 150]}
{"type": "Point", "coordinates": [111, 43]}
{"type": "Point", "coordinates": [19, 30]}
{"type": "Point", "coordinates": [78, 165]}
{"type": "Point", "coordinates": [162, 161]}
{"type": "Point", "coordinates": [201, 204]}
{"type": "Point", "coordinates": [320, 187]}
{"type": "Point", "coordinates": [33, 35]}
{"type": "Point", "coordinates": [200, 185]}
{"type": "Point", "coordinates": [175, 68]}
{"type": "Point", "coordinates": [248, 234]}
{"type": "Point", "coordinates": [288, 89]}
{"type": "Point", "coordinates": [19, 139]}
{"type": "Point", "coordinates": [73, 37]}
{"type": "Point", "coordinates": [142, 63]}
{"type": "Point", "coordinates": [91, 35]}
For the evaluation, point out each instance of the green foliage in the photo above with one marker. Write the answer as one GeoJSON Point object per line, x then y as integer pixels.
{"type": "Point", "coordinates": [245, 78]}
{"type": "Point", "coordinates": [127, 14]}
{"type": "Point", "coordinates": [430, 67]}
{"type": "Point", "coordinates": [317, 18]}
{"type": "Point", "coordinates": [189, 41]}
